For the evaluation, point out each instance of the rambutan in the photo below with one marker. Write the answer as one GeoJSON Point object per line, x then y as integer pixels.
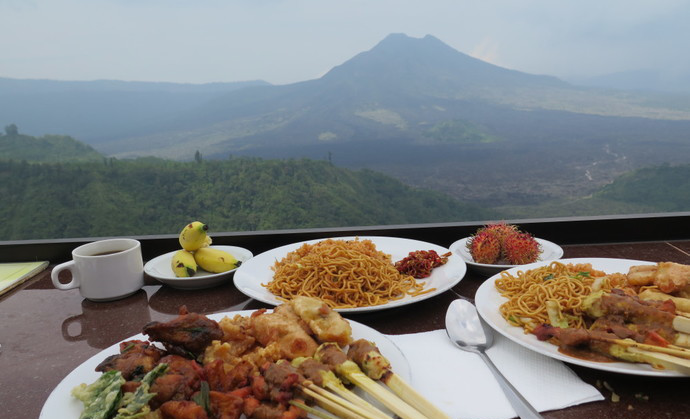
{"type": "Point", "coordinates": [501, 230]}
{"type": "Point", "coordinates": [485, 247]}
{"type": "Point", "coordinates": [520, 248]}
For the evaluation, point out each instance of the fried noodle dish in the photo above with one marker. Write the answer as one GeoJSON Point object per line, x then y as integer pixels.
{"type": "Point", "coordinates": [342, 273]}
{"type": "Point", "coordinates": [641, 316]}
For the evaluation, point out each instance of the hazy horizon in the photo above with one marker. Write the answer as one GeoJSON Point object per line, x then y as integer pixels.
{"type": "Point", "coordinates": [284, 42]}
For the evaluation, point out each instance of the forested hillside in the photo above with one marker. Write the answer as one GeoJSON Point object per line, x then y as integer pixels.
{"type": "Point", "coordinates": [49, 148]}
{"type": "Point", "coordinates": [152, 196]}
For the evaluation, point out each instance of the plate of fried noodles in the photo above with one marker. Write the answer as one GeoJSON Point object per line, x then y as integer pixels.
{"type": "Point", "coordinates": [350, 274]}
{"type": "Point", "coordinates": [513, 303]}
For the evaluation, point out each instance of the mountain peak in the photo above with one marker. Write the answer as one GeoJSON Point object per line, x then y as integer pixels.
{"type": "Point", "coordinates": [400, 59]}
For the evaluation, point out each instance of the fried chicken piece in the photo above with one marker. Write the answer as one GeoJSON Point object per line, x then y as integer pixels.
{"type": "Point", "coordinates": [189, 333]}
{"type": "Point", "coordinates": [135, 359]}
{"type": "Point", "coordinates": [641, 275]}
{"type": "Point", "coordinates": [327, 325]}
{"type": "Point", "coordinates": [182, 409]}
{"type": "Point", "coordinates": [672, 277]}
{"type": "Point", "coordinates": [292, 340]}
{"type": "Point", "coordinates": [225, 405]}
{"type": "Point", "coordinates": [669, 277]}
{"type": "Point", "coordinates": [221, 380]}
{"type": "Point", "coordinates": [182, 379]}
{"type": "Point", "coordinates": [237, 335]}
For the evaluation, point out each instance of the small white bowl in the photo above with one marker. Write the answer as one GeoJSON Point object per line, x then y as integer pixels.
{"type": "Point", "coordinates": [549, 251]}
{"type": "Point", "coordinates": [161, 269]}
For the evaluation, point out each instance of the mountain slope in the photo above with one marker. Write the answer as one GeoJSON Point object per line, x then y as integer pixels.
{"type": "Point", "coordinates": [101, 110]}
{"type": "Point", "coordinates": [152, 196]}
{"type": "Point", "coordinates": [399, 90]}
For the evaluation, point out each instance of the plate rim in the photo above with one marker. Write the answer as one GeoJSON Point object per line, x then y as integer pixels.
{"type": "Point", "coordinates": [487, 293]}
{"type": "Point", "coordinates": [195, 281]}
{"type": "Point", "coordinates": [62, 390]}
{"type": "Point", "coordinates": [462, 251]}
{"type": "Point", "coordinates": [458, 263]}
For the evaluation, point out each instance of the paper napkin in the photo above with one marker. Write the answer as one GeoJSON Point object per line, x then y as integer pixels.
{"type": "Point", "coordinates": [460, 384]}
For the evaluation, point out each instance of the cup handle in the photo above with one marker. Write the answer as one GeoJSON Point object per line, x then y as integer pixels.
{"type": "Point", "coordinates": [65, 328]}
{"type": "Point", "coordinates": [74, 283]}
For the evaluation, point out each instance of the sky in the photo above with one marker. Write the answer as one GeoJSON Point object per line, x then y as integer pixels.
{"type": "Point", "coordinates": [287, 41]}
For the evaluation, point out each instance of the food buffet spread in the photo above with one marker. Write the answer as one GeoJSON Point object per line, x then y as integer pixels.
{"type": "Point", "coordinates": [293, 340]}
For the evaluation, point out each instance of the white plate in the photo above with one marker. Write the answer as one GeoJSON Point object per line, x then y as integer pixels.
{"type": "Point", "coordinates": [488, 301]}
{"type": "Point", "coordinates": [549, 251]}
{"type": "Point", "coordinates": [257, 271]}
{"type": "Point", "coordinates": [161, 269]}
{"type": "Point", "coordinates": [61, 404]}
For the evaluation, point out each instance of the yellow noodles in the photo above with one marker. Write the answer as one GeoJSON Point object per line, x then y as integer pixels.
{"type": "Point", "coordinates": [529, 291]}
{"type": "Point", "coordinates": [343, 273]}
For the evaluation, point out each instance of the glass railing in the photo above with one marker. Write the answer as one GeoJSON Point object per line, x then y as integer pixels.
{"type": "Point", "coordinates": [564, 231]}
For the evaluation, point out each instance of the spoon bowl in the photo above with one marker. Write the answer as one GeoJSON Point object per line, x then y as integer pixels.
{"type": "Point", "coordinates": [469, 332]}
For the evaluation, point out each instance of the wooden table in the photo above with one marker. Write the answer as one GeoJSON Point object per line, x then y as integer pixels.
{"type": "Point", "coordinates": [46, 333]}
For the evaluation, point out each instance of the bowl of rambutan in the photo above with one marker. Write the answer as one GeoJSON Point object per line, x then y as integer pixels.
{"type": "Point", "coordinates": [500, 246]}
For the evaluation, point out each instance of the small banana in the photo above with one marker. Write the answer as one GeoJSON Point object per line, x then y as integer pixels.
{"type": "Point", "coordinates": [194, 236]}
{"type": "Point", "coordinates": [183, 264]}
{"type": "Point", "coordinates": [215, 260]}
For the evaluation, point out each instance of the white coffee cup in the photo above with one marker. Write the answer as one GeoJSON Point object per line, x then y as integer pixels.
{"type": "Point", "coordinates": [104, 270]}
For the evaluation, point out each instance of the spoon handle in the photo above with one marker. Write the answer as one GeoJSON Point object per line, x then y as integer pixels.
{"type": "Point", "coordinates": [520, 404]}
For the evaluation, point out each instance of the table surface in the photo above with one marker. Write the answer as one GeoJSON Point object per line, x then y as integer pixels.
{"type": "Point", "coordinates": [46, 333]}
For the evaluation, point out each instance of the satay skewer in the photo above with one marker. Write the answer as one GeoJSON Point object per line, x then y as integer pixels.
{"type": "Point", "coordinates": [327, 380]}
{"type": "Point", "coordinates": [331, 354]}
{"type": "Point", "coordinates": [376, 366]}
{"type": "Point", "coordinates": [637, 310]}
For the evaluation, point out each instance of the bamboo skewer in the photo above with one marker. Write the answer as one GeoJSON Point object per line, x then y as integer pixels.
{"type": "Point", "coordinates": [337, 407]}
{"type": "Point", "coordinates": [352, 373]}
{"type": "Point", "coordinates": [330, 382]}
{"type": "Point", "coordinates": [629, 343]}
{"type": "Point", "coordinates": [338, 388]}
{"type": "Point", "coordinates": [377, 367]}
{"type": "Point", "coordinates": [379, 392]}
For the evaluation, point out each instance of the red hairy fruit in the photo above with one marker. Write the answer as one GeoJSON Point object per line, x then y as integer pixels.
{"type": "Point", "coordinates": [501, 230]}
{"type": "Point", "coordinates": [485, 247]}
{"type": "Point", "coordinates": [520, 248]}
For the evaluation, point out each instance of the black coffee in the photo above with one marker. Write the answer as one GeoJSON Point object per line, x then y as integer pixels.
{"type": "Point", "coordinates": [107, 253]}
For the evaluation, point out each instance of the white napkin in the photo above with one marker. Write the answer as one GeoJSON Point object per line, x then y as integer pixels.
{"type": "Point", "coordinates": [461, 385]}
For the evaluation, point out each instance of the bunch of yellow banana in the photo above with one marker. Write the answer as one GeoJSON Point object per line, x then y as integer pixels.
{"type": "Point", "coordinates": [196, 253]}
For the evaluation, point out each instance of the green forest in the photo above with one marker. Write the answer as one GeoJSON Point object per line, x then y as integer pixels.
{"type": "Point", "coordinates": [56, 187]}
{"type": "Point", "coordinates": [108, 197]}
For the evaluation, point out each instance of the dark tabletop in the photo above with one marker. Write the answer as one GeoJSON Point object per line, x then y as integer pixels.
{"type": "Point", "coordinates": [46, 333]}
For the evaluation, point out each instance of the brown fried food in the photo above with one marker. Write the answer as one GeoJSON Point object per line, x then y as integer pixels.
{"type": "Point", "coordinates": [672, 277]}
{"type": "Point", "coordinates": [189, 333]}
{"type": "Point", "coordinates": [326, 324]}
{"type": "Point", "coordinates": [225, 405]}
{"type": "Point", "coordinates": [669, 277]}
{"type": "Point", "coordinates": [237, 334]}
{"type": "Point", "coordinates": [290, 337]}
{"type": "Point", "coordinates": [135, 359]}
{"type": "Point", "coordinates": [182, 379]}
{"type": "Point", "coordinates": [182, 409]}
{"type": "Point", "coordinates": [221, 380]}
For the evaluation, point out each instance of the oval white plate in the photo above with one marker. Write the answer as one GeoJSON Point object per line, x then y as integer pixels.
{"type": "Point", "coordinates": [61, 404]}
{"type": "Point", "coordinates": [257, 271]}
{"type": "Point", "coordinates": [488, 301]}
{"type": "Point", "coordinates": [161, 269]}
{"type": "Point", "coordinates": [549, 251]}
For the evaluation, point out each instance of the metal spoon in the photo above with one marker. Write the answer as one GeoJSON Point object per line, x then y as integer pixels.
{"type": "Point", "coordinates": [469, 332]}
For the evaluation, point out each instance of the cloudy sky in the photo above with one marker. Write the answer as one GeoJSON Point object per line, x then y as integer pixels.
{"type": "Point", "coordinates": [285, 41]}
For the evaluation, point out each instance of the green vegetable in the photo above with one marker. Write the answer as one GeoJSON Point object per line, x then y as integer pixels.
{"type": "Point", "coordinates": [203, 397]}
{"type": "Point", "coordinates": [102, 397]}
{"type": "Point", "coordinates": [135, 405]}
